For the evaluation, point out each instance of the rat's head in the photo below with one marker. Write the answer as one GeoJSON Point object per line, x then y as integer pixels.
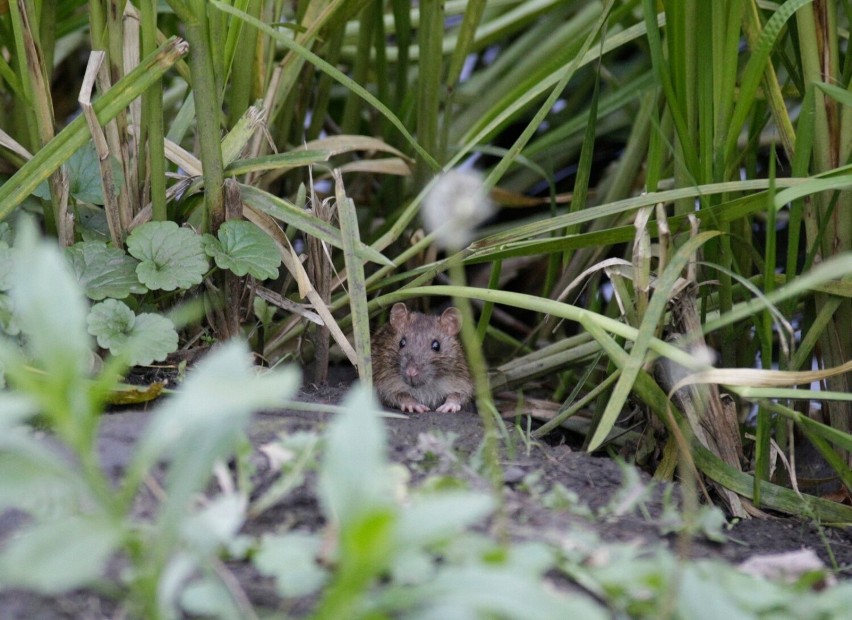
{"type": "Point", "coordinates": [427, 346]}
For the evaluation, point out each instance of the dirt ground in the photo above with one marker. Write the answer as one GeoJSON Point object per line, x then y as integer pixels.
{"type": "Point", "coordinates": [455, 438]}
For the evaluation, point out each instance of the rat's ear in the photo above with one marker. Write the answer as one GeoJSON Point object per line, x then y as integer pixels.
{"type": "Point", "coordinates": [399, 315]}
{"type": "Point", "coordinates": [451, 321]}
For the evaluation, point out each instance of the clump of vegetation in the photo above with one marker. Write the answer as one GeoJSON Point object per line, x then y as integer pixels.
{"type": "Point", "coordinates": [668, 233]}
{"type": "Point", "coordinates": [386, 548]}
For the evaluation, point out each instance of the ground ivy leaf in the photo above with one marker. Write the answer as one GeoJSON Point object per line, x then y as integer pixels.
{"type": "Point", "coordinates": [42, 191]}
{"type": "Point", "coordinates": [243, 248]}
{"type": "Point", "coordinates": [92, 223]}
{"type": "Point", "coordinates": [84, 172]}
{"type": "Point", "coordinates": [154, 337]}
{"type": "Point", "coordinates": [213, 248]}
{"type": "Point", "coordinates": [84, 175]}
{"type": "Point", "coordinates": [170, 257]}
{"type": "Point", "coordinates": [104, 271]}
{"type": "Point", "coordinates": [50, 308]}
{"type": "Point", "coordinates": [110, 322]}
{"type": "Point", "coordinates": [143, 339]}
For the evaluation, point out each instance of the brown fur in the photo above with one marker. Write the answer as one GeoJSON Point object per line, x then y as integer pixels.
{"type": "Point", "coordinates": [414, 377]}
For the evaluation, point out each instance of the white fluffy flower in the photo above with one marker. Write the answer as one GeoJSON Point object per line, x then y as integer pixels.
{"type": "Point", "coordinates": [457, 202]}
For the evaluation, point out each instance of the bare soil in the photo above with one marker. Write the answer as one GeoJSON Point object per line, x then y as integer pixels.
{"type": "Point", "coordinates": [529, 474]}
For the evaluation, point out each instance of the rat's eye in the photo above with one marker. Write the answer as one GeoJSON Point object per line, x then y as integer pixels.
{"type": "Point", "coordinates": [402, 343]}
{"type": "Point", "coordinates": [436, 346]}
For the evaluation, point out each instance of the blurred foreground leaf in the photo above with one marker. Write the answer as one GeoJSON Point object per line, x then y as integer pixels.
{"type": "Point", "coordinates": [42, 556]}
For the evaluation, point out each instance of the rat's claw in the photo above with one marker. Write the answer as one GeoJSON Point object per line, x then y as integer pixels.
{"type": "Point", "coordinates": [449, 407]}
{"type": "Point", "coordinates": [412, 406]}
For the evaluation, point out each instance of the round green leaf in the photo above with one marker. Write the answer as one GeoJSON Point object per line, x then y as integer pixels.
{"type": "Point", "coordinates": [104, 271]}
{"type": "Point", "coordinates": [243, 248]}
{"type": "Point", "coordinates": [143, 339]}
{"type": "Point", "coordinates": [153, 338]}
{"type": "Point", "coordinates": [170, 257]}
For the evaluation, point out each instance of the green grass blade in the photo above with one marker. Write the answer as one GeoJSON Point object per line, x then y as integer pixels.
{"type": "Point", "coordinates": [289, 213]}
{"type": "Point", "coordinates": [606, 211]}
{"type": "Point", "coordinates": [793, 394]}
{"type": "Point", "coordinates": [361, 68]}
{"type": "Point", "coordinates": [355, 277]}
{"type": "Point", "coordinates": [584, 166]}
{"type": "Point", "coordinates": [152, 163]}
{"type": "Point", "coordinates": [10, 78]}
{"type": "Point", "coordinates": [466, 38]}
{"type": "Point", "coordinates": [664, 77]}
{"type": "Point", "coordinates": [811, 186]}
{"type": "Point", "coordinates": [430, 34]}
{"type": "Point", "coordinates": [402, 28]}
{"type": "Point", "coordinates": [488, 307]}
{"type": "Point", "coordinates": [279, 161]}
{"type": "Point", "coordinates": [822, 320]}
{"type": "Point", "coordinates": [833, 268]}
{"type": "Point", "coordinates": [764, 331]}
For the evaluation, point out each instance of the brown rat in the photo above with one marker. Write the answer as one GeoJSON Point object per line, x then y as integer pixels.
{"type": "Point", "coordinates": [418, 362]}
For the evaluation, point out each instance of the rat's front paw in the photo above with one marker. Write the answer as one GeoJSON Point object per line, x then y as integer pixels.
{"type": "Point", "coordinates": [451, 405]}
{"type": "Point", "coordinates": [409, 405]}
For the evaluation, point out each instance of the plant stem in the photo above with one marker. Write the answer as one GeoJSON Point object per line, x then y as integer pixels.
{"type": "Point", "coordinates": [207, 113]}
{"type": "Point", "coordinates": [151, 150]}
